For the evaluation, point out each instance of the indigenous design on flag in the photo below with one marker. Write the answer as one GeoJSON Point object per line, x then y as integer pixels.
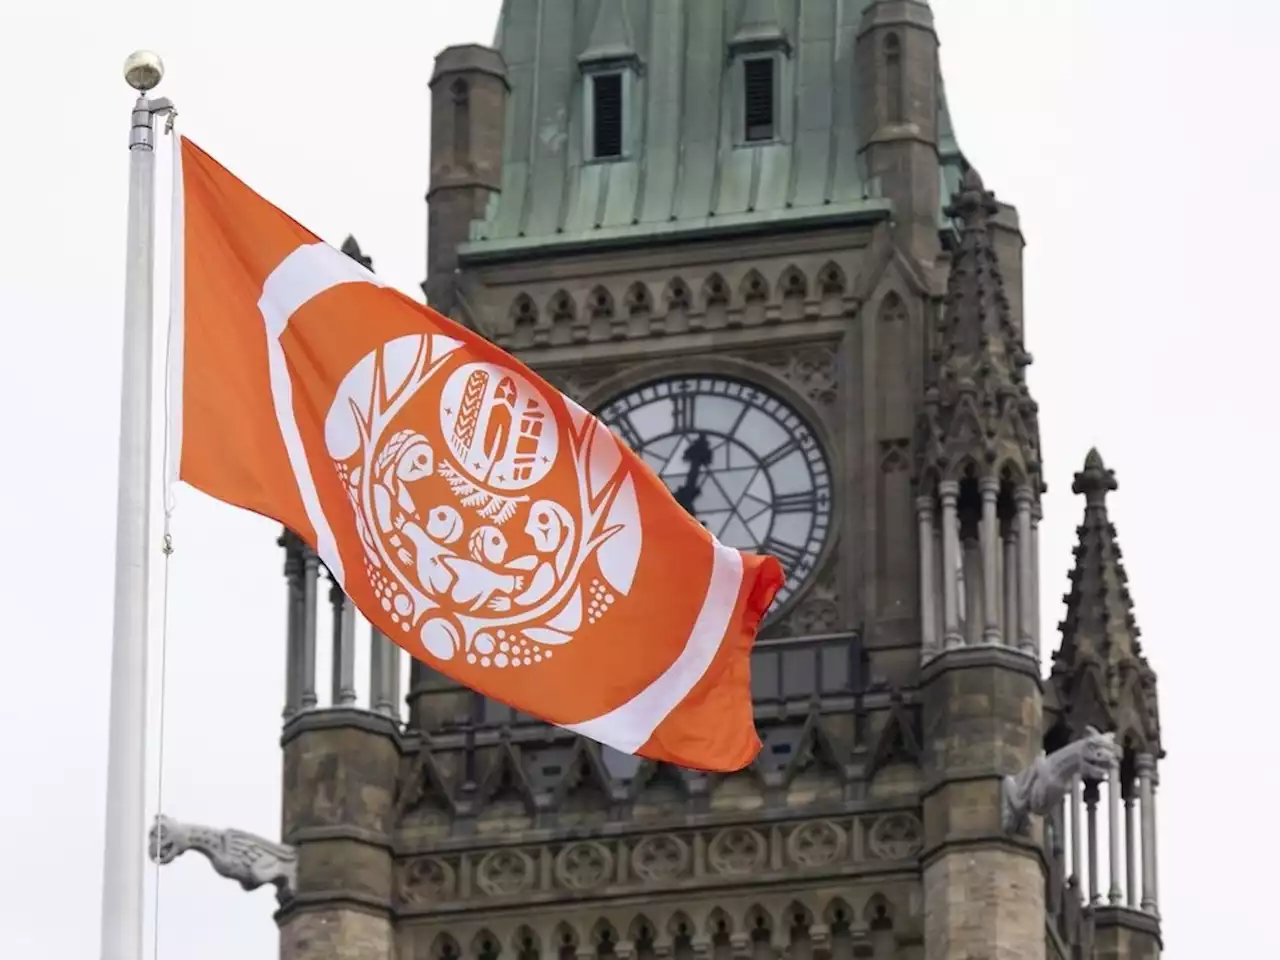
{"type": "Point", "coordinates": [484, 522]}
{"type": "Point", "coordinates": [491, 530]}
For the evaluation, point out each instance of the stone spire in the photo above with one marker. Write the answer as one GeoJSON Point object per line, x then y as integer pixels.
{"type": "Point", "coordinates": [611, 37]}
{"type": "Point", "coordinates": [1099, 673]}
{"type": "Point", "coordinates": [978, 409]}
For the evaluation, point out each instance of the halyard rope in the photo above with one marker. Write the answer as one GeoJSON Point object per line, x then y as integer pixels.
{"type": "Point", "coordinates": [166, 547]}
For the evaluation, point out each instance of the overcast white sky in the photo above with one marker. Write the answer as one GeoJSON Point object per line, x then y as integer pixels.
{"type": "Point", "coordinates": [1137, 137]}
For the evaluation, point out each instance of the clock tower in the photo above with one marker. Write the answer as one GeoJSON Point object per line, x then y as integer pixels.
{"type": "Point", "coordinates": [742, 233]}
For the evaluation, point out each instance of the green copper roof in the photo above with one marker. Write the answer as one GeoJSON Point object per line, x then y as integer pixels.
{"type": "Point", "coordinates": [685, 171]}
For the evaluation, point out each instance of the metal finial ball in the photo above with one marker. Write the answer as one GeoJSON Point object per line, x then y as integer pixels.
{"type": "Point", "coordinates": [143, 70]}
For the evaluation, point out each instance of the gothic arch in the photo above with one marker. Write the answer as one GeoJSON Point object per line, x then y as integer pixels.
{"type": "Point", "coordinates": [680, 926]}
{"type": "Point", "coordinates": [893, 308]}
{"type": "Point", "coordinates": [561, 308]}
{"type": "Point", "coordinates": [894, 111]}
{"type": "Point", "coordinates": [642, 931]}
{"type": "Point", "coordinates": [460, 93]}
{"type": "Point", "coordinates": [831, 280]}
{"type": "Point", "coordinates": [485, 946]}
{"type": "Point", "coordinates": [754, 287]}
{"type": "Point", "coordinates": [444, 947]}
{"type": "Point", "coordinates": [566, 941]}
{"type": "Point", "coordinates": [793, 284]}
{"type": "Point", "coordinates": [604, 938]}
{"type": "Point", "coordinates": [878, 914]}
{"type": "Point", "coordinates": [678, 295]}
{"type": "Point", "coordinates": [759, 923]}
{"type": "Point", "coordinates": [715, 292]}
{"type": "Point", "coordinates": [600, 304]}
{"type": "Point", "coordinates": [797, 920]}
{"type": "Point", "coordinates": [719, 925]}
{"type": "Point", "coordinates": [526, 944]}
{"type": "Point", "coordinates": [838, 913]}
{"type": "Point", "coordinates": [524, 320]}
{"type": "Point", "coordinates": [1010, 471]}
{"type": "Point", "coordinates": [639, 299]}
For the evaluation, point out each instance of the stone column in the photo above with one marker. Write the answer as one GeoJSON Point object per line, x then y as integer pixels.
{"type": "Point", "coordinates": [1011, 586]}
{"type": "Point", "coordinates": [990, 533]}
{"type": "Point", "coordinates": [1145, 765]}
{"type": "Point", "coordinates": [928, 600]}
{"type": "Point", "coordinates": [1115, 895]}
{"type": "Point", "coordinates": [393, 679]}
{"type": "Point", "coordinates": [1037, 514]}
{"type": "Point", "coordinates": [344, 646]}
{"type": "Point", "coordinates": [1077, 837]}
{"type": "Point", "coordinates": [1130, 845]}
{"type": "Point", "coordinates": [1155, 843]}
{"type": "Point", "coordinates": [293, 630]}
{"type": "Point", "coordinates": [1026, 643]}
{"type": "Point", "coordinates": [381, 698]}
{"type": "Point", "coordinates": [1091, 812]}
{"type": "Point", "coordinates": [310, 582]}
{"type": "Point", "coordinates": [949, 492]}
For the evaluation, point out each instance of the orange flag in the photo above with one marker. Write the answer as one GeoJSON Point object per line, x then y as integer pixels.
{"type": "Point", "coordinates": [489, 525]}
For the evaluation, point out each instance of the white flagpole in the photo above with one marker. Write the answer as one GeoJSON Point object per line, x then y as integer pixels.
{"type": "Point", "coordinates": [122, 877]}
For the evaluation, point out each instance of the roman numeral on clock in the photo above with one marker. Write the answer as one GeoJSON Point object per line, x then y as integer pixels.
{"type": "Point", "coordinates": [788, 555]}
{"type": "Point", "coordinates": [806, 501]}
{"type": "Point", "coordinates": [682, 412]}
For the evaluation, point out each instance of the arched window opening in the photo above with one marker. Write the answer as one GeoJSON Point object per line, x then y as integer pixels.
{"type": "Point", "coordinates": [461, 91]}
{"type": "Point", "coordinates": [893, 78]}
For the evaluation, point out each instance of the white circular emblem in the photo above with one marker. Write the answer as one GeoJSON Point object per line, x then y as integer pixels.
{"type": "Point", "coordinates": [493, 529]}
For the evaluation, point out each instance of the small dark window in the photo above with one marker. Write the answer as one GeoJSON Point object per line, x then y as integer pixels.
{"type": "Point", "coordinates": [461, 122]}
{"type": "Point", "coordinates": [893, 76]}
{"type": "Point", "coordinates": [606, 105]}
{"type": "Point", "coordinates": [761, 109]}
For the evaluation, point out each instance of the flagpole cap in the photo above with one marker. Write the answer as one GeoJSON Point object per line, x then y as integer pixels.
{"type": "Point", "coordinates": [143, 70]}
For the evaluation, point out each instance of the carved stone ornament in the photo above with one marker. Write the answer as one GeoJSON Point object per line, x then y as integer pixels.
{"type": "Point", "coordinates": [896, 836]}
{"type": "Point", "coordinates": [818, 612]}
{"type": "Point", "coordinates": [504, 873]}
{"type": "Point", "coordinates": [428, 880]}
{"type": "Point", "coordinates": [243, 857]}
{"type": "Point", "coordinates": [660, 858]}
{"type": "Point", "coordinates": [816, 844]}
{"type": "Point", "coordinates": [810, 369]}
{"type": "Point", "coordinates": [737, 851]}
{"type": "Point", "coordinates": [584, 866]}
{"type": "Point", "coordinates": [1039, 789]}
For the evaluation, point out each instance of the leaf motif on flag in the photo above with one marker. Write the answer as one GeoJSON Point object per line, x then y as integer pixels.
{"type": "Point", "coordinates": [486, 514]}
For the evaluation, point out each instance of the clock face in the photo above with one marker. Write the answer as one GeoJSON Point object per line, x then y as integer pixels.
{"type": "Point", "coordinates": [739, 459]}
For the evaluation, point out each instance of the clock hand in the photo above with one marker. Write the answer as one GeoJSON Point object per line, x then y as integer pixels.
{"type": "Point", "coordinates": [698, 456]}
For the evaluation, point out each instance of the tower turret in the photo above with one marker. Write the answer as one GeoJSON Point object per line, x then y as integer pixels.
{"type": "Point", "coordinates": [898, 115]}
{"type": "Point", "coordinates": [468, 117]}
{"type": "Point", "coordinates": [978, 444]}
{"type": "Point", "coordinates": [1101, 679]}
{"type": "Point", "coordinates": [979, 487]}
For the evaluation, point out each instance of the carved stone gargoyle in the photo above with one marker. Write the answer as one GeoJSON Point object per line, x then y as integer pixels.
{"type": "Point", "coordinates": [243, 857]}
{"type": "Point", "coordinates": [1040, 788]}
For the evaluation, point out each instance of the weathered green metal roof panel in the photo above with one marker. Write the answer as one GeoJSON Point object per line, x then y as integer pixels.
{"type": "Point", "coordinates": [684, 167]}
